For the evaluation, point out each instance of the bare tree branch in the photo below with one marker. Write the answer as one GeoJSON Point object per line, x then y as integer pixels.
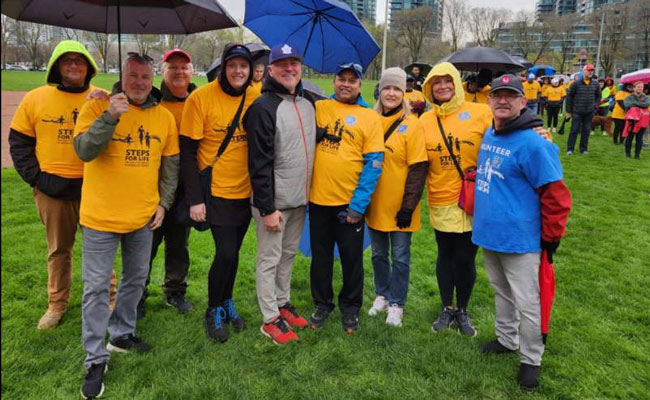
{"type": "Point", "coordinates": [412, 26]}
{"type": "Point", "coordinates": [455, 17]}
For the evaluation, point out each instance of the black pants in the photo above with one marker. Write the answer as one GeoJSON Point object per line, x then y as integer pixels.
{"type": "Point", "coordinates": [221, 278]}
{"type": "Point", "coordinates": [638, 145]}
{"type": "Point", "coordinates": [553, 111]}
{"type": "Point", "coordinates": [325, 229]}
{"type": "Point", "coordinates": [177, 256]}
{"type": "Point", "coordinates": [455, 267]}
{"type": "Point", "coordinates": [619, 124]}
{"type": "Point", "coordinates": [580, 123]}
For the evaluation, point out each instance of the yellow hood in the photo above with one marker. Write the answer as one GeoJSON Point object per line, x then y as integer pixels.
{"type": "Point", "coordinates": [443, 69]}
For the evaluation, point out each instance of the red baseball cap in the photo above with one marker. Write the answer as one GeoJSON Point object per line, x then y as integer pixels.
{"type": "Point", "coordinates": [174, 52]}
{"type": "Point", "coordinates": [589, 67]}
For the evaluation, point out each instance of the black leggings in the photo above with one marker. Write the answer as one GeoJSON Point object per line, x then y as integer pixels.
{"type": "Point", "coordinates": [455, 267]}
{"type": "Point", "coordinates": [619, 124]}
{"type": "Point", "coordinates": [553, 111]}
{"type": "Point", "coordinates": [221, 278]}
{"type": "Point", "coordinates": [639, 142]}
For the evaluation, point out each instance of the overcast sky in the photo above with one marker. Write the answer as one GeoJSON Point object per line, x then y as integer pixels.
{"type": "Point", "coordinates": [236, 7]}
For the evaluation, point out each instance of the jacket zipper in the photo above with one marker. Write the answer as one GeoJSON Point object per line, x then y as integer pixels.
{"type": "Point", "coordinates": [304, 142]}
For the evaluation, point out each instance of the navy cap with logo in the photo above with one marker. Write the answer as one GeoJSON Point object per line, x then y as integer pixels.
{"type": "Point", "coordinates": [508, 82]}
{"type": "Point", "coordinates": [282, 51]}
{"type": "Point", "coordinates": [354, 67]}
{"type": "Point", "coordinates": [239, 50]}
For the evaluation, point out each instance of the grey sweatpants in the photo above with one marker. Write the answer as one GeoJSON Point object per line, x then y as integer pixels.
{"type": "Point", "coordinates": [275, 254]}
{"type": "Point", "coordinates": [98, 255]}
{"type": "Point", "coordinates": [515, 279]}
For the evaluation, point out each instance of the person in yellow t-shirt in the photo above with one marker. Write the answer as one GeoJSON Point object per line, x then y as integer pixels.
{"type": "Point", "coordinates": [258, 78]}
{"type": "Point", "coordinates": [464, 124]}
{"type": "Point", "coordinates": [555, 94]}
{"type": "Point", "coordinates": [394, 211]}
{"type": "Point", "coordinates": [532, 91]}
{"type": "Point", "coordinates": [347, 165]}
{"type": "Point", "coordinates": [40, 144]}
{"type": "Point", "coordinates": [414, 98]}
{"type": "Point", "coordinates": [618, 114]}
{"type": "Point", "coordinates": [129, 145]}
{"type": "Point", "coordinates": [474, 93]}
{"type": "Point", "coordinates": [210, 112]}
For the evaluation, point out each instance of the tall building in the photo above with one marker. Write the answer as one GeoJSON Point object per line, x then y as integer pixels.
{"type": "Point", "coordinates": [364, 9]}
{"type": "Point", "coordinates": [544, 7]}
{"type": "Point", "coordinates": [565, 7]}
{"type": "Point", "coordinates": [586, 7]}
{"type": "Point", "coordinates": [436, 6]}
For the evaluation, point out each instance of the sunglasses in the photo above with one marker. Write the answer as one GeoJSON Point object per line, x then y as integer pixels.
{"type": "Point", "coordinates": [70, 61]}
{"type": "Point", "coordinates": [141, 57]}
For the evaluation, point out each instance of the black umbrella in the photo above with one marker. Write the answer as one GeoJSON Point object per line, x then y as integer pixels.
{"type": "Point", "coordinates": [313, 91]}
{"type": "Point", "coordinates": [477, 58]}
{"type": "Point", "coordinates": [259, 51]}
{"type": "Point", "coordinates": [525, 63]}
{"type": "Point", "coordinates": [123, 16]}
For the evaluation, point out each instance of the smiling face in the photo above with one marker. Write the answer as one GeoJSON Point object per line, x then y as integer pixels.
{"type": "Point", "coordinates": [237, 71]}
{"type": "Point", "coordinates": [177, 72]}
{"type": "Point", "coordinates": [391, 97]}
{"type": "Point", "coordinates": [442, 88]}
{"type": "Point", "coordinates": [258, 73]}
{"type": "Point", "coordinates": [73, 68]}
{"type": "Point", "coordinates": [137, 81]}
{"type": "Point", "coordinates": [287, 72]}
{"type": "Point", "coordinates": [506, 105]}
{"type": "Point", "coordinates": [347, 86]}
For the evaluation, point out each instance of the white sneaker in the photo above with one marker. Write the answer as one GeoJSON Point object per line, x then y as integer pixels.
{"type": "Point", "coordinates": [380, 304]}
{"type": "Point", "coordinates": [553, 130]}
{"type": "Point", "coordinates": [394, 317]}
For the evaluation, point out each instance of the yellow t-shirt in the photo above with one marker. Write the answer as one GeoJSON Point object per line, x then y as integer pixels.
{"type": "Point", "coordinates": [49, 115]}
{"type": "Point", "coordinates": [414, 96]}
{"type": "Point", "coordinates": [555, 93]}
{"type": "Point", "coordinates": [120, 189]}
{"type": "Point", "coordinates": [338, 165]}
{"type": "Point", "coordinates": [531, 90]}
{"type": "Point", "coordinates": [618, 112]}
{"type": "Point", "coordinates": [208, 113]}
{"type": "Point", "coordinates": [176, 108]}
{"type": "Point", "coordinates": [404, 147]}
{"type": "Point", "coordinates": [466, 126]}
{"type": "Point", "coordinates": [257, 87]}
{"type": "Point", "coordinates": [481, 95]}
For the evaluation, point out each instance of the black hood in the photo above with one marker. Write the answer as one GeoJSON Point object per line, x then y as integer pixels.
{"type": "Point", "coordinates": [168, 96]}
{"type": "Point", "coordinates": [273, 86]}
{"type": "Point", "coordinates": [154, 97]}
{"type": "Point", "coordinates": [526, 120]}
{"type": "Point", "coordinates": [223, 81]}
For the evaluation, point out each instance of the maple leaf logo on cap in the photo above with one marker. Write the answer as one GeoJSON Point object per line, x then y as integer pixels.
{"type": "Point", "coordinates": [505, 79]}
{"type": "Point", "coordinates": [286, 49]}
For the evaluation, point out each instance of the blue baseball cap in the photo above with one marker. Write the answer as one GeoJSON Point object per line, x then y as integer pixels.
{"type": "Point", "coordinates": [354, 67]}
{"type": "Point", "coordinates": [282, 51]}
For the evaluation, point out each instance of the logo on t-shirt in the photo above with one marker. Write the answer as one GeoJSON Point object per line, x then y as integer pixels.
{"type": "Point", "coordinates": [333, 135]}
{"type": "Point", "coordinates": [138, 146]}
{"type": "Point", "coordinates": [402, 128]}
{"type": "Point", "coordinates": [65, 133]}
{"type": "Point", "coordinates": [351, 120]}
{"type": "Point", "coordinates": [489, 169]}
{"type": "Point", "coordinates": [446, 161]}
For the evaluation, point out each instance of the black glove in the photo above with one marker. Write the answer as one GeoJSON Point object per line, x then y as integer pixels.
{"type": "Point", "coordinates": [404, 218]}
{"type": "Point", "coordinates": [551, 248]}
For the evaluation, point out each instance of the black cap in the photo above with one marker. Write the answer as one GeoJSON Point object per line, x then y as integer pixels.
{"type": "Point", "coordinates": [509, 82]}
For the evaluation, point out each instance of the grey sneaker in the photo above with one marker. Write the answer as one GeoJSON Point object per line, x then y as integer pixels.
{"type": "Point", "coordinates": [444, 320]}
{"type": "Point", "coordinates": [318, 318]}
{"type": "Point", "coordinates": [179, 302]}
{"type": "Point", "coordinates": [465, 326]}
{"type": "Point", "coordinates": [93, 386]}
{"type": "Point", "coordinates": [126, 344]}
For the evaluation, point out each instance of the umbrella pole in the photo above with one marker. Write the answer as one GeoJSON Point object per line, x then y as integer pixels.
{"type": "Point", "coordinates": [119, 41]}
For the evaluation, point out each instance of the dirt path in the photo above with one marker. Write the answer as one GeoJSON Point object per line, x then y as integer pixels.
{"type": "Point", "coordinates": [10, 102]}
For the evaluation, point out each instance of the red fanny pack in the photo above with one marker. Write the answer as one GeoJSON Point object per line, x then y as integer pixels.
{"type": "Point", "coordinates": [466, 199]}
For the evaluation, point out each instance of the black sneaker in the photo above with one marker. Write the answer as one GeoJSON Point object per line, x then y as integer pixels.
{"type": "Point", "coordinates": [125, 344]}
{"type": "Point", "coordinates": [140, 309]}
{"type": "Point", "coordinates": [232, 316]}
{"type": "Point", "coordinates": [215, 324]}
{"type": "Point", "coordinates": [93, 386]}
{"type": "Point", "coordinates": [318, 318]}
{"type": "Point", "coordinates": [494, 347]}
{"type": "Point", "coordinates": [350, 323]}
{"type": "Point", "coordinates": [465, 326]}
{"type": "Point", "coordinates": [444, 320]}
{"type": "Point", "coordinates": [528, 377]}
{"type": "Point", "coordinates": [179, 302]}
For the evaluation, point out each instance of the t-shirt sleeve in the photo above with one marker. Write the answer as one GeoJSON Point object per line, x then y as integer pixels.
{"type": "Point", "coordinates": [171, 146]}
{"type": "Point", "coordinates": [90, 111]}
{"type": "Point", "coordinates": [23, 121]}
{"type": "Point", "coordinates": [192, 121]}
{"type": "Point", "coordinates": [541, 162]}
{"type": "Point", "coordinates": [374, 140]}
{"type": "Point", "coordinates": [416, 149]}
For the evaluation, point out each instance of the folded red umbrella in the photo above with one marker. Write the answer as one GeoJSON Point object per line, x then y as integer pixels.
{"type": "Point", "coordinates": [546, 291]}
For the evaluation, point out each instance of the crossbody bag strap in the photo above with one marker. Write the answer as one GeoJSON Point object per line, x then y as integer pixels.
{"type": "Point", "coordinates": [231, 130]}
{"type": "Point", "coordinates": [392, 128]}
{"type": "Point", "coordinates": [450, 149]}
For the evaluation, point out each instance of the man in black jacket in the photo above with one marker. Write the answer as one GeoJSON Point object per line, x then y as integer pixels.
{"type": "Point", "coordinates": [581, 101]}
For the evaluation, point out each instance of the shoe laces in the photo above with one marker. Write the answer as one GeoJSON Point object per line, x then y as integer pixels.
{"type": "Point", "coordinates": [289, 307]}
{"type": "Point", "coordinates": [279, 323]}
{"type": "Point", "coordinates": [232, 311]}
{"type": "Point", "coordinates": [218, 316]}
{"type": "Point", "coordinates": [95, 371]}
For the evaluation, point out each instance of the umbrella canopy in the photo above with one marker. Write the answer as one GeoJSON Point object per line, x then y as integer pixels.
{"type": "Point", "coordinates": [424, 68]}
{"type": "Point", "coordinates": [326, 32]}
{"type": "Point", "coordinates": [477, 58]}
{"type": "Point", "coordinates": [259, 51]}
{"type": "Point", "coordinates": [640, 75]}
{"type": "Point", "coordinates": [524, 62]}
{"type": "Point", "coordinates": [546, 290]}
{"type": "Point", "coordinates": [313, 90]}
{"type": "Point", "coordinates": [541, 70]}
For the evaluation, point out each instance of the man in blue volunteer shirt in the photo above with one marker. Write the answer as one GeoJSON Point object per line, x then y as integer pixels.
{"type": "Point", "coordinates": [521, 208]}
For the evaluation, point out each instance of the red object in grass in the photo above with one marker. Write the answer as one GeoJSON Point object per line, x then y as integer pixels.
{"type": "Point", "coordinates": [546, 290]}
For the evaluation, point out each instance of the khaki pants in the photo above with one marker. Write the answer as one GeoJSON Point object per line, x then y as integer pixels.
{"type": "Point", "coordinates": [275, 254]}
{"type": "Point", "coordinates": [60, 218]}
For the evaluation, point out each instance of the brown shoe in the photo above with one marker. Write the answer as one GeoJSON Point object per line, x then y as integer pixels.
{"type": "Point", "coordinates": [50, 319]}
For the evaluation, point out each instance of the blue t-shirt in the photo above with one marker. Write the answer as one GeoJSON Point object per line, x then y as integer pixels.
{"type": "Point", "coordinates": [507, 215]}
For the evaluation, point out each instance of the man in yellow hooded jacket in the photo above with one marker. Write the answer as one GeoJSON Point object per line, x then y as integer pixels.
{"type": "Point", "coordinates": [451, 151]}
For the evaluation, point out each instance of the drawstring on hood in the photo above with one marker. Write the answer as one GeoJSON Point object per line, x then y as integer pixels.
{"type": "Point", "coordinates": [53, 75]}
{"type": "Point", "coordinates": [232, 50]}
{"type": "Point", "coordinates": [456, 101]}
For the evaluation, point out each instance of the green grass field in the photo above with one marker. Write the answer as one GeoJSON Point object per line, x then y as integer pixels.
{"type": "Point", "coordinates": [598, 347]}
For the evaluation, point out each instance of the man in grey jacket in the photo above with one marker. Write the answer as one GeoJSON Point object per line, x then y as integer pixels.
{"type": "Point", "coordinates": [129, 144]}
{"type": "Point", "coordinates": [281, 132]}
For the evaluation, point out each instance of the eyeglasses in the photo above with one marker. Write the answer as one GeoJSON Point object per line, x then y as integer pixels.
{"type": "Point", "coordinates": [140, 57]}
{"type": "Point", "coordinates": [358, 69]}
{"type": "Point", "coordinates": [506, 95]}
{"type": "Point", "coordinates": [70, 61]}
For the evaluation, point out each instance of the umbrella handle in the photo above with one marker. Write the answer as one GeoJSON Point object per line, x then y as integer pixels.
{"type": "Point", "coordinates": [119, 40]}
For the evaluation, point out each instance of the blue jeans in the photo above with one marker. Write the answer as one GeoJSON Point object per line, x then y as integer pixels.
{"type": "Point", "coordinates": [393, 283]}
{"type": "Point", "coordinates": [532, 106]}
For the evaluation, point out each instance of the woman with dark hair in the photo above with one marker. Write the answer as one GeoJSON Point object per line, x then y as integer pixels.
{"type": "Point", "coordinates": [637, 102]}
{"type": "Point", "coordinates": [618, 114]}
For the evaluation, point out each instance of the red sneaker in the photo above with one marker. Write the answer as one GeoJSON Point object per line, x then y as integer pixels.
{"type": "Point", "coordinates": [278, 331]}
{"type": "Point", "coordinates": [289, 314]}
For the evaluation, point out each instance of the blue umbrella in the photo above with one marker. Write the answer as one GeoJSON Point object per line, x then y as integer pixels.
{"type": "Point", "coordinates": [540, 70]}
{"type": "Point", "coordinates": [326, 32]}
